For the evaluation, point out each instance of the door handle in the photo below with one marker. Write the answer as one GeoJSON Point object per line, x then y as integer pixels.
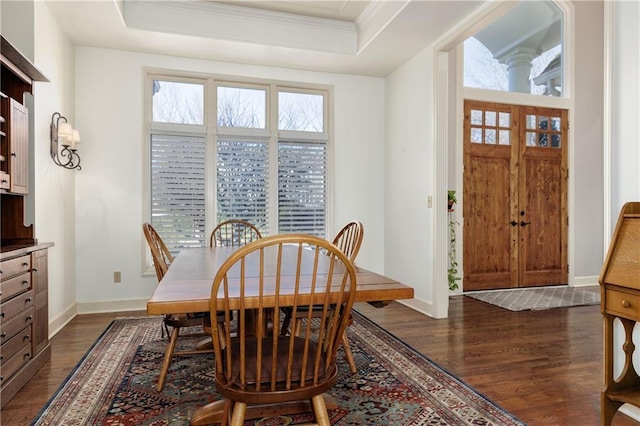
{"type": "Point", "coordinates": [514, 223]}
{"type": "Point", "coordinates": [523, 223]}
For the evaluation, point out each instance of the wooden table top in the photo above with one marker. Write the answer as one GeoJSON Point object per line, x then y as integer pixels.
{"type": "Point", "coordinates": [186, 287]}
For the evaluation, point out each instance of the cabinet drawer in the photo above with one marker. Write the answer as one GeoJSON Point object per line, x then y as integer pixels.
{"type": "Point", "coordinates": [11, 267]}
{"type": "Point", "coordinates": [14, 345]}
{"type": "Point", "coordinates": [14, 363]}
{"type": "Point", "coordinates": [4, 180]}
{"type": "Point", "coordinates": [15, 285]}
{"type": "Point", "coordinates": [16, 305]}
{"type": "Point", "coordinates": [622, 303]}
{"type": "Point", "coordinates": [15, 325]}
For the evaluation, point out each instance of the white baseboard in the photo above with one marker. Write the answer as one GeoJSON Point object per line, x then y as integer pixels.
{"type": "Point", "coordinates": [58, 323]}
{"type": "Point", "coordinates": [419, 305]}
{"type": "Point", "coordinates": [584, 281]}
{"type": "Point", "coordinates": [113, 306]}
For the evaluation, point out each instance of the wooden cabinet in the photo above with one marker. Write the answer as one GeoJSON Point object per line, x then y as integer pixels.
{"type": "Point", "coordinates": [24, 320]}
{"type": "Point", "coordinates": [18, 159]}
{"type": "Point", "coordinates": [24, 293]}
{"type": "Point", "coordinates": [4, 143]}
{"type": "Point", "coordinates": [620, 289]}
{"type": "Point", "coordinates": [17, 75]}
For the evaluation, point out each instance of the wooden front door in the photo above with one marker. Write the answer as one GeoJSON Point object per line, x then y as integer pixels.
{"type": "Point", "coordinates": [515, 191]}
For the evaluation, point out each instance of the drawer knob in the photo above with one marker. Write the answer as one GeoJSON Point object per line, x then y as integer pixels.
{"type": "Point", "coordinates": [626, 304]}
{"type": "Point", "coordinates": [25, 264]}
{"type": "Point", "coordinates": [25, 282]}
{"type": "Point", "coordinates": [26, 355]}
{"type": "Point", "coordinates": [35, 269]}
{"type": "Point", "coordinates": [29, 318]}
{"type": "Point", "coordinates": [27, 300]}
{"type": "Point", "coordinates": [2, 335]}
{"type": "Point", "coordinates": [26, 337]}
{"type": "Point", "coordinates": [1, 314]}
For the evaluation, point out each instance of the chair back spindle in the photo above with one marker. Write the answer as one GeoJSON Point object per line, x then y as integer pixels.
{"type": "Point", "coordinates": [234, 233]}
{"type": "Point", "coordinates": [160, 254]}
{"type": "Point", "coordinates": [349, 239]}
{"type": "Point", "coordinates": [257, 365]}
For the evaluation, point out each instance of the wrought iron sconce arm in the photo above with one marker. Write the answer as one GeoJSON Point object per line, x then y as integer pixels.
{"type": "Point", "coordinates": [67, 156]}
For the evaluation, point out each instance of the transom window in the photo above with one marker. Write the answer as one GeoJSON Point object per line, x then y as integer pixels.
{"type": "Point", "coordinates": [245, 150]}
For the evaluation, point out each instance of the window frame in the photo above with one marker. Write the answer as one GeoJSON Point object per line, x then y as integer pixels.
{"type": "Point", "coordinates": [211, 132]}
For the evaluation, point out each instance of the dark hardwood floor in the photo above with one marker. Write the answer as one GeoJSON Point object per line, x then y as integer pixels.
{"type": "Point", "coordinates": [543, 367]}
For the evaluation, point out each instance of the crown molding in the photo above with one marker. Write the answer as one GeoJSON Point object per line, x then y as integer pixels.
{"type": "Point", "coordinates": [238, 23]}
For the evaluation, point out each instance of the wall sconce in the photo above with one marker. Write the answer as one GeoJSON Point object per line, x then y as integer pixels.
{"type": "Point", "coordinates": [68, 137]}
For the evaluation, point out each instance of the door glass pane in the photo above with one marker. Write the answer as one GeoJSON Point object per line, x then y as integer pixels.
{"type": "Point", "coordinates": [476, 135]}
{"type": "Point", "coordinates": [476, 117]}
{"type": "Point", "coordinates": [242, 107]}
{"type": "Point", "coordinates": [504, 137]}
{"type": "Point", "coordinates": [504, 119]}
{"type": "Point", "coordinates": [555, 123]}
{"type": "Point", "coordinates": [531, 122]}
{"type": "Point", "coordinates": [490, 118]}
{"type": "Point", "coordinates": [543, 123]}
{"type": "Point", "coordinates": [490, 136]}
{"type": "Point", "coordinates": [555, 141]}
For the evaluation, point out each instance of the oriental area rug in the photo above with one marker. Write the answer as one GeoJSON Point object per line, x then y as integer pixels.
{"type": "Point", "coordinates": [114, 384]}
{"type": "Point", "coordinates": [539, 299]}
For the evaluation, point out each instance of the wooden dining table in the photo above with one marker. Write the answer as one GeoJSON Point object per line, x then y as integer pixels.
{"type": "Point", "coordinates": [186, 288]}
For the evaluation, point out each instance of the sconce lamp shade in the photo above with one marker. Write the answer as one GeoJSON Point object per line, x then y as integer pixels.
{"type": "Point", "coordinates": [76, 138]}
{"type": "Point", "coordinates": [65, 131]}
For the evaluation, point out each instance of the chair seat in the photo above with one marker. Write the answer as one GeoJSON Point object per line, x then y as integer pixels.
{"type": "Point", "coordinates": [283, 372]}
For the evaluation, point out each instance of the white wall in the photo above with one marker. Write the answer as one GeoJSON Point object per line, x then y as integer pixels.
{"type": "Point", "coordinates": [625, 140]}
{"type": "Point", "coordinates": [409, 177]}
{"type": "Point", "coordinates": [54, 185]}
{"type": "Point", "coordinates": [31, 27]}
{"type": "Point", "coordinates": [586, 169]}
{"type": "Point", "coordinates": [109, 108]}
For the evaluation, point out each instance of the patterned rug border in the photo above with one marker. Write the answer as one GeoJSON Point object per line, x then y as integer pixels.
{"type": "Point", "coordinates": [490, 408]}
{"type": "Point", "coordinates": [436, 366]}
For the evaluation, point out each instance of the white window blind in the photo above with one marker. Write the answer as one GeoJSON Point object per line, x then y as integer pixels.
{"type": "Point", "coordinates": [302, 187]}
{"type": "Point", "coordinates": [242, 181]}
{"type": "Point", "coordinates": [178, 190]}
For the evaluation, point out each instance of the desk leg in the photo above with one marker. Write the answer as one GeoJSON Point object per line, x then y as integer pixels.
{"type": "Point", "coordinates": [214, 412]}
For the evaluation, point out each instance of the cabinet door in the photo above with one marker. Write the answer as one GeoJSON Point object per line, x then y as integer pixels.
{"type": "Point", "coordinates": [39, 279]}
{"type": "Point", "coordinates": [18, 147]}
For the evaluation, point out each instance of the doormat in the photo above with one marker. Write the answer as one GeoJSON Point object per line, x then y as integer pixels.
{"type": "Point", "coordinates": [115, 384]}
{"type": "Point", "coordinates": [539, 299]}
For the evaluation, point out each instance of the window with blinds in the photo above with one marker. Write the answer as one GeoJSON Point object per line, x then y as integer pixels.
{"type": "Point", "coordinates": [178, 190]}
{"type": "Point", "coordinates": [302, 187]}
{"type": "Point", "coordinates": [245, 150]}
{"type": "Point", "coordinates": [242, 178]}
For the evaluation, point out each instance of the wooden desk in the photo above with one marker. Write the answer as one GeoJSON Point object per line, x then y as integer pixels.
{"type": "Point", "coordinates": [186, 287]}
{"type": "Point", "coordinates": [620, 289]}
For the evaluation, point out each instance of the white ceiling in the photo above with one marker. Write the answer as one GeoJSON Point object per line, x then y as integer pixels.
{"type": "Point", "coordinates": [345, 36]}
